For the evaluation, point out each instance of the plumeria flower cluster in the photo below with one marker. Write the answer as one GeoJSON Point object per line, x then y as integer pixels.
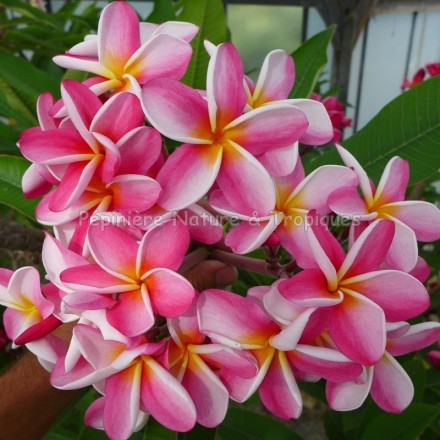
{"type": "Point", "coordinates": [128, 216]}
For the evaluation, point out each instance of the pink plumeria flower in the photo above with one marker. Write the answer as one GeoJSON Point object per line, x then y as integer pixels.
{"type": "Point", "coordinates": [387, 382]}
{"type": "Point", "coordinates": [274, 83]}
{"type": "Point", "coordinates": [285, 222]}
{"type": "Point", "coordinates": [142, 275]}
{"type": "Point", "coordinates": [88, 143]}
{"type": "Point", "coordinates": [416, 79]}
{"type": "Point", "coordinates": [29, 317]}
{"type": "Point", "coordinates": [413, 220]}
{"type": "Point", "coordinates": [220, 141]}
{"type": "Point", "coordinates": [196, 364]}
{"type": "Point", "coordinates": [242, 323]}
{"type": "Point", "coordinates": [129, 373]}
{"type": "Point", "coordinates": [433, 69]}
{"type": "Point", "coordinates": [359, 296]}
{"type": "Point", "coordinates": [128, 54]}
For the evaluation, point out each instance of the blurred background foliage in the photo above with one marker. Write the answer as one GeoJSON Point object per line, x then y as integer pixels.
{"type": "Point", "coordinates": [409, 126]}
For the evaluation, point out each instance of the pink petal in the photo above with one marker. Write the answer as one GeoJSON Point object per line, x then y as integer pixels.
{"type": "Point", "coordinates": [239, 169]}
{"type": "Point", "coordinates": [134, 193]}
{"type": "Point", "coordinates": [309, 289]}
{"type": "Point", "coordinates": [348, 396]}
{"type": "Point", "coordinates": [233, 320]}
{"type": "Point", "coordinates": [358, 329]}
{"type": "Point", "coordinates": [276, 78]}
{"type": "Point", "coordinates": [400, 295]}
{"type": "Point", "coordinates": [82, 106]}
{"type": "Point", "coordinates": [279, 391]}
{"type": "Point", "coordinates": [34, 183]}
{"type": "Point", "coordinates": [38, 331]}
{"type": "Point", "coordinates": [324, 362]}
{"type": "Point", "coordinates": [94, 414]}
{"type": "Point", "coordinates": [364, 181]}
{"type": "Point", "coordinates": [421, 270]}
{"type": "Point", "coordinates": [279, 162]}
{"type": "Point", "coordinates": [88, 301]}
{"type": "Point", "coordinates": [164, 56]}
{"type": "Point", "coordinates": [93, 278]}
{"type": "Point", "coordinates": [266, 128]}
{"type": "Point", "coordinates": [132, 315]}
{"type": "Point", "coordinates": [170, 293]}
{"type": "Point", "coordinates": [122, 402]}
{"type": "Point", "coordinates": [246, 237]}
{"type": "Point", "coordinates": [403, 252]}
{"type": "Point", "coordinates": [74, 183]}
{"type": "Point", "coordinates": [393, 183]}
{"type": "Point", "coordinates": [422, 217]}
{"type": "Point", "coordinates": [58, 146]}
{"type": "Point", "coordinates": [180, 29]}
{"type": "Point", "coordinates": [85, 64]}
{"type": "Point", "coordinates": [347, 202]}
{"type": "Point", "coordinates": [418, 336]}
{"type": "Point", "coordinates": [392, 388]}
{"type": "Point", "coordinates": [114, 249]}
{"type": "Point", "coordinates": [369, 250]}
{"type": "Point", "coordinates": [112, 121]}
{"type": "Point", "coordinates": [320, 129]}
{"type": "Point", "coordinates": [45, 103]}
{"type": "Point", "coordinates": [188, 175]}
{"type": "Point", "coordinates": [209, 395]}
{"type": "Point", "coordinates": [177, 111]}
{"type": "Point", "coordinates": [139, 150]}
{"type": "Point", "coordinates": [165, 398]}
{"type": "Point", "coordinates": [202, 225]}
{"type": "Point", "coordinates": [224, 86]}
{"type": "Point", "coordinates": [313, 192]}
{"type": "Point", "coordinates": [163, 246]}
{"type": "Point", "coordinates": [118, 34]}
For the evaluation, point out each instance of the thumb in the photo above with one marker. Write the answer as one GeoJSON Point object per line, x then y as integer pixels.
{"type": "Point", "coordinates": [210, 274]}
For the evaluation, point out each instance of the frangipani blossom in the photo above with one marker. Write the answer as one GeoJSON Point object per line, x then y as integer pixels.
{"type": "Point", "coordinates": [196, 365]}
{"type": "Point", "coordinates": [142, 275]}
{"type": "Point", "coordinates": [128, 54]}
{"type": "Point", "coordinates": [29, 317]}
{"type": "Point", "coordinates": [414, 219]}
{"type": "Point", "coordinates": [286, 221]}
{"type": "Point", "coordinates": [389, 384]}
{"type": "Point", "coordinates": [359, 296]}
{"type": "Point", "coordinates": [87, 144]}
{"type": "Point", "coordinates": [135, 384]}
{"type": "Point", "coordinates": [241, 323]}
{"type": "Point", "coordinates": [220, 141]}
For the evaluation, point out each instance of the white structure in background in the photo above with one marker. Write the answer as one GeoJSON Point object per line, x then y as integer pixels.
{"type": "Point", "coordinates": [391, 46]}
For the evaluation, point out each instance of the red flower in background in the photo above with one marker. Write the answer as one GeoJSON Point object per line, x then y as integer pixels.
{"type": "Point", "coordinates": [336, 111]}
{"type": "Point", "coordinates": [432, 68]}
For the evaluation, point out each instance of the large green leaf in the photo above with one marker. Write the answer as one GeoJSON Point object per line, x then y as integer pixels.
{"type": "Point", "coordinates": [310, 58]}
{"type": "Point", "coordinates": [242, 424]}
{"type": "Point", "coordinates": [409, 127]}
{"type": "Point", "coordinates": [12, 169]}
{"type": "Point", "coordinates": [163, 11]}
{"type": "Point", "coordinates": [406, 426]}
{"type": "Point", "coordinates": [209, 15]}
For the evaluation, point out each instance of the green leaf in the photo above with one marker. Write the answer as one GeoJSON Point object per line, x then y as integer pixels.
{"type": "Point", "coordinates": [409, 127]}
{"type": "Point", "coordinates": [8, 139]}
{"type": "Point", "coordinates": [405, 426]}
{"type": "Point", "coordinates": [21, 75]}
{"type": "Point", "coordinates": [209, 15]}
{"type": "Point", "coordinates": [12, 169]}
{"type": "Point", "coordinates": [310, 58]}
{"type": "Point", "coordinates": [416, 371]}
{"type": "Point", "coordinates": [163, 11]}
{"type": "Point", "coordinates": [242, 424]}
{"type": "Point", "coordinates": [198, 433]}
{"type": "Point", "coordinates": [155, 431]}
{"type": "Point", "coordinates": [29, 11]}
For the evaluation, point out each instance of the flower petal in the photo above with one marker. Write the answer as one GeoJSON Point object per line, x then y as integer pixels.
{"type": "Point", "coordinates": [392, 388]}
{"type": "Point", "coordinates": [400, 295]}
{"type": "Point", "coordinates": [177, 111]}
{"type": "Point", "coordinates": [358, 329]}
{"type": "Point", "coordinates": [188, 175]}
{"type": "Point", "coordinates": [165, 398]}
{"type": "Point", "coordinates": [393, 183]}
{"type": "Point", "coordinates": [239, 169]}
